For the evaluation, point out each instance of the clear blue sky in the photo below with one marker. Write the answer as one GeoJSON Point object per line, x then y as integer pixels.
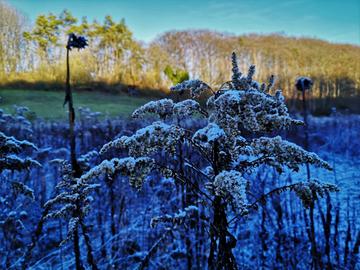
{"type": "Point", "coordinates": [332, 20]}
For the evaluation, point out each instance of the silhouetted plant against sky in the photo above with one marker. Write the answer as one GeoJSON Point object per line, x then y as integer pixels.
{"type": "Point", "coordinates": [77, 42]}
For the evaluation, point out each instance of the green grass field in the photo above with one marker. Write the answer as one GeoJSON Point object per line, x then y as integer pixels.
{"type": "Point", "coordinates": [49, 104]}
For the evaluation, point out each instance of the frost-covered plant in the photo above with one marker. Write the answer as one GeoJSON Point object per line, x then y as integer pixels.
{"type": "Point", "coordinates": [10, 148]}
{"type": "Point", "coordinates": [72, 203]}
{"type": "Point", "coordinates": [17, 123]}
{"type": "Point", "coordinates": [73, 200]}
{"type": "Point", "coordinates": [176, 219]}
{"type": "Point", "coordinates": [239, 107]}
{"type": "Point", "coordinates": [12, 158]}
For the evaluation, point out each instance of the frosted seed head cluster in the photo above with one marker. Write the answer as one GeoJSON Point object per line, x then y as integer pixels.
{"type": "Point", "coordinates": [310, 191]}
{"type": "Point", "coordinates": [13, 158]}
{"type": "Point", "coordinates": [23, 189]}
{"type": "Point", "coordinates": [251, 109]}
{"type": "Point", "coordinates": [241, 105]}
{"type": "Point", "coordinates": [209, 134]}
{"type": "Point", "coordinates": [177, 219]}
{"type": "Point", "coordinates": [303, 83]}
{"type": "Point", "coordinates": [166, 108]}
{"type": "Point", "coordinates": [285, 153]}
{"type": "Point", "coordinates": [231, 185]}
{"type": "Point", "coordinates": [236, 74]}
{"type": "Point", "coordinates": [155, 137]}
{"type": "Point", "coordinates": [73, 200]}
{"type": "Point", "coordinates": [162, 107]}
{"type": "Point", "coordinates": [196, 87]}
{"type": "Point", "coordinates": [136, 169]}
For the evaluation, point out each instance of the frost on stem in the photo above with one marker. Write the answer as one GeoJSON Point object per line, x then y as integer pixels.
{"type": "Point", "coordinates": [196, 87]}
{"type": "Point", "coordinates": [166, 108]}
{"type": "Point", "coordinates": [176, 219]}
{"type": "Point", "coordinates": [23, 189]}
{"type": "Point", "coordinates": [236, 74]}
{"type": "Point", "coordinates": [72, 226]}
{"type": "Point", "coordinates": [73, 200]}
{"type": "Point", "coordinates": [155, 137]}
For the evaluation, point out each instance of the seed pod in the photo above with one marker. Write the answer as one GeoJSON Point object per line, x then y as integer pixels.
{"type": "Point", "coordinates": [303, 83]}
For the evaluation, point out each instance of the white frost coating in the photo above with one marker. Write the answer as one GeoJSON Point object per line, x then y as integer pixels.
{"type": "Point", "coordinates": [311, 190]}
{"type": "Point", "coordinates": [186, 108]}
{"type": "Point", "coordinates": [208, 171]}
{"type": "Point", "coordinates": [176, 219]}
{"type": "Point", "coordinates": [135, 168]}
{"type": "Point", "coordinates": [209, 134]}
{"type": "Point", "coordinates": [285, 153]}
{"type": "Point", "coordinates": [157, 136]}
{"type": "Point", "coordinates": [11, 144]}
{"type": "Point", "coordinates": [72, 226]}
{"type": "Point", "coordinates": [10, 147]}
{"type": "Point", "coordinates": [166, 108]}
{"type": "Point", "coordinates": [250, 109]}
{"type": "Point", "coordinates": [232, 185]}
{"type": "Point", "coordinates": [196, 87]}
{"type": "Point", "coordinates": [162, 107]}
{"type": "Point", "coordinates": [21, 188]}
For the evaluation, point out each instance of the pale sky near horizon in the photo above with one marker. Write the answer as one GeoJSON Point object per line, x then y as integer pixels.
{"type": "Point", "coordinates": [331, 20]}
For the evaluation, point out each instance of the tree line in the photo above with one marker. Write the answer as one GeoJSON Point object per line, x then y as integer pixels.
{"type": "Point", "coordinates": [35, 53]}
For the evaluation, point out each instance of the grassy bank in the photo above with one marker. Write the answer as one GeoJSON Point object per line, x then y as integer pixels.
{"type": "Point", "coordinates": [49, 104]}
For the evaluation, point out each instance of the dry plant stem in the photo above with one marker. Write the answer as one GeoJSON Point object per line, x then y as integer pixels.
{"type": "Point", "coordinates": [145, 262]}
{"type": "Point", "coordinates": [314, 253]}
{"type": "Point", "coordinates": [69, 100]}
{"type": "Point", "coordinates": [90, 258]}
{"type": "Point", "coordinates": [75, 166]}
{"type": "Point", "coordinates": [220, 255]}
{"type": "Point", "coordinates": [34, 240]}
